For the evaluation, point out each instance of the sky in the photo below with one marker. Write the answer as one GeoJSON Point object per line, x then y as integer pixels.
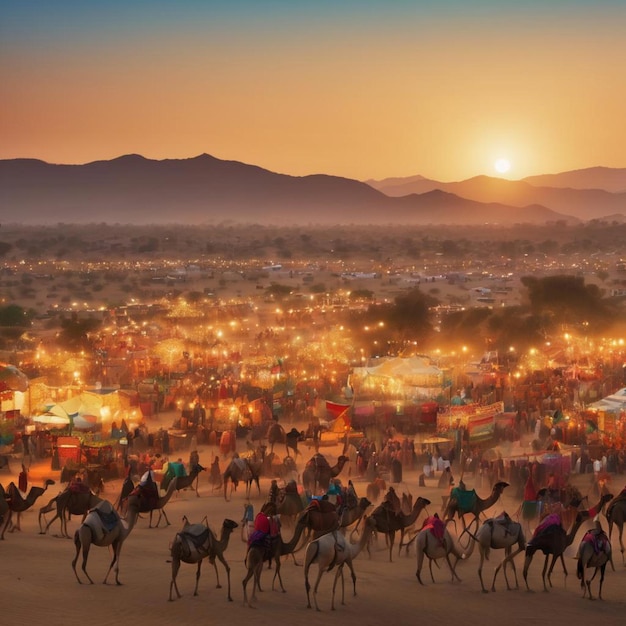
{"type": "Point", "coordinates": [355, 88]}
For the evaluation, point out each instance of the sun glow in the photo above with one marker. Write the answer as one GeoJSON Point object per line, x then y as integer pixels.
{"type": "Point", "coordinates": [502, 166]}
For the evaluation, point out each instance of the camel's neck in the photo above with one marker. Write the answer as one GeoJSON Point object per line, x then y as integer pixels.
{"type": "Point", "coordinates": [336, 469]}
{"type": "Point", "coordinates": [357, 547]}
{"type": "Point", "coordinates": [490, 501]}
{"type": "Point", "coordinates": [412, 516]}
{"type": "Point", "coordinates": [573, 530]}
{"type": "Point", "coordinates": [171, 488]}
{"type": "Point", "coordinates": [131, 519]}
{"type": "Point", "coordinates": [290, 546]}
{"type": "Point", "coordinates": [224, 538]}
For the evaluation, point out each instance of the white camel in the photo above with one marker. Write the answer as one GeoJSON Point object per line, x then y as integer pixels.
{"type": "Point", "coordinates": [500, 533]}
{"type": "Point", "coordinates": [334, 550]}
{"type": "Point", "coordinates": [104, 527]}
{"type": "Point", "coordinates": [435, 547]}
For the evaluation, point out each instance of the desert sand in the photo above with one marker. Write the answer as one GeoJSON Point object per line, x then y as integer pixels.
{"type": "Point", "coordinates": [39, 586]}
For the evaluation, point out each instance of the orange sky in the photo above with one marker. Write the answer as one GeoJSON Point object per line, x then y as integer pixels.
{"type": "Point", "coordinates": [370, 89]}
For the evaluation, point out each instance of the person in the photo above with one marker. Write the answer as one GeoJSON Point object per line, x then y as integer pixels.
{"type": "Point", "coordinates": [148, 483]}
{"type": "Point", "coordinates": [22, 481]}
{"type": "Point", "coordinates": [266, 529]}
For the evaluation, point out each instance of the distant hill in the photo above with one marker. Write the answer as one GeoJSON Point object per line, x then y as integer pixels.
{"type": "Point", "coordinates": [134, 190]}
{"type": "Point", "coordinates": [584, 203]}
{"type": "Point", "coordinates": [611, 179]}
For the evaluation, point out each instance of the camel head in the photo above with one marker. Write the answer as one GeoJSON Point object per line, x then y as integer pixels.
{"type": "Point", "coordinates": [229, 524]}
{"type": "Point", "coordinates": [499, 487]}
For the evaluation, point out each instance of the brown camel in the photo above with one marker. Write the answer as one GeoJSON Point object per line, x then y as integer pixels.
{"type": "Point", "coordinates": [375, 488]}
{"type": "Point", "coordinates": [554, 540]}
{"type": "Point", "coordinates": [18, 504]}
{"type": "Point", "coordinates": [246, 470]}
{"type": "Point", "coordinates": [616, 514]}
{"type": "Point", "coordinates": [318, 472]}
{"type": "Point", "coordinates": [463, 502]}
{"type": "Point", "coordinates": [184, 482]}
{"type": "Point", "coordinates": [104, 527]}
{"type": "Point", "coordinates": [499, 533]}
{"type": "Point", "coordinates": [67, 503]}
{"type": "Point", "coordinates": [352, 515]}
{"type": "Point", "coordinates": [196, 542]}
{"type": "Point", "coordinates": [334, 550]}
{"type": "Point", "coordinates": [147, 504]}
{"type": "Point", "coordinates": [258, 554]}
{"type": "Point", "coordinates": [388, 521]}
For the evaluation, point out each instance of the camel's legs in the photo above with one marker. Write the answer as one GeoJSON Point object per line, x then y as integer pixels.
{"type": "Point", "coordinates": [556, 556]}
{"type": "Point", "coordinates": [391, 537]}
{"type": "Point", "coordinates": [117, 546]}
{"type": "Point", "coordinates": [480, 571]}
{"type": "Point", "coordinates": [86, 547]}
{"type": "Point", "coordinates": [420, 562]}
{"type": "Point", "coordinates": [227, 568]}
{"type": "Point", "coordinates": [195, 591]}
{"type": "Point", "coordinates": [277, 573]}
{"type": "Point", "coordinates": [527, 561]}
{"type": "Point", "coordinates": [173, 585]}
{"type": "Point", "coordinates": [320, 571]}
{"type": "Point", "coordinates": [543, 573]}
{"type": "Point", "coordinates": [452, 569]}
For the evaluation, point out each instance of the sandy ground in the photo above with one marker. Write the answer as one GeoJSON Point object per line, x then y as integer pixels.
{"type": "Point", "coordinates": [39, 586]}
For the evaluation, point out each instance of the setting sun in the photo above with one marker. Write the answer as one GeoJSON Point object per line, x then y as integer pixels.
{"type": "Point", "coordinates": [502, 166]}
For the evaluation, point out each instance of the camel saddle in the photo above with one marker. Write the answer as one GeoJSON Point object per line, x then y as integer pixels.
{"type": "Point", "coordinates": [317, 461]}
{"type": "Point", "coordinates": [598, 539]}
{"type": "Point", "coordinates": [436, 527]}
{"type": "Point", "coordinates": [549, 524]}
{"type": "Point", "coordinates": [322, 515]}
{"type": "Point", "coordinates": [107, 514]}
{"type": "Point", "coordinates": [465, 499]}
{"type": "Point", "coordinates": [194, 540]}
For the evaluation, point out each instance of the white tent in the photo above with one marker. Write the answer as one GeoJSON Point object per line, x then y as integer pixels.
{"type": "Point", "coordinates": [614, 403]}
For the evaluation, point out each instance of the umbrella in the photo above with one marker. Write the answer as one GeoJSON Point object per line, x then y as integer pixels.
{"type": "Point", "coordinates": [12, 379]}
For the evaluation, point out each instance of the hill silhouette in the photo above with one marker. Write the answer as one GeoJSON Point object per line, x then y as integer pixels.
{"type": "Point", "coordinates": [204, 189]}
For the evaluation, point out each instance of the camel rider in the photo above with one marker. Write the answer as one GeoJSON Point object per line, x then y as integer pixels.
{"type": "Point", "coordinates": [273, 494]}
{"type": "Point", "coordinates": [266, 528]}
{"type": "Point", "coordinates": [148, 483]}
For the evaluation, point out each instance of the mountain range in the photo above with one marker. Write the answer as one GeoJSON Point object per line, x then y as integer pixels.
{"type": "Point", "coordinates": [135, 190]}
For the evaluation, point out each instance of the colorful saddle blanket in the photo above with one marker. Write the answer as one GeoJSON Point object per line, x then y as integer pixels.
{"type": "Point", "coordinates": [466, 499]}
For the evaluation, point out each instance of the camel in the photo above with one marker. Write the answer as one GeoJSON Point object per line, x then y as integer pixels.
{"type": "Point", "coordinates": [375, 488]}
{"type": "Point", "coordinates": [554, 541]}
{"type": "Point", "coordinates": [594, 552]}
{"type": "Point", "coordinates": [616, 514]}
{"type": "Point", "coordinates": [289, 505]}
{"type": "Point", "coordinates": [145, 504]}
{"type": "Point", "coordinates": [183, 482]}
{"type": "Point", "coordinates": [246, 470]}
{"type": "Point", "coordinates": [351, 515]}
{"type": "Point", "coordinates": [334, 550]}
{"type": "Point", "coordinates": [196, 542]}
{"type": "Point", "coordinates": [435, 547]}
{"type": "Point", "coordinates": [104, 527]}
{"type": "Point", "coordinates": [497, 534]}
{"type": "Point", "coordinates": [463, 502]}
{"type": "Point", "coordinates": [257, 554]}
{"type": "Point", "coordinates": [67, 503]}
{"type": "Point", "coordinates": [389, 521]}
{"type": "Point", "coordinates": [318, 473]}
{"type": "Point", "coordinates": [18, 504]}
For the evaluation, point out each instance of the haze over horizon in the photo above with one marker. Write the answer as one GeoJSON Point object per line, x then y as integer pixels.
{"type": "Point", "coordinates": [364, 90]}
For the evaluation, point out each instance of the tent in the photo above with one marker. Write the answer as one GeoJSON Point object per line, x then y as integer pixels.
{"type": "Point", "coordinates": [413, 377]}
{"type": "Point", "coordinates": [614, 403]}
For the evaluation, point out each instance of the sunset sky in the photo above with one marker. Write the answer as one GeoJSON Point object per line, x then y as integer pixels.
{"type": "Point", "coordinates": [363, 89]}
